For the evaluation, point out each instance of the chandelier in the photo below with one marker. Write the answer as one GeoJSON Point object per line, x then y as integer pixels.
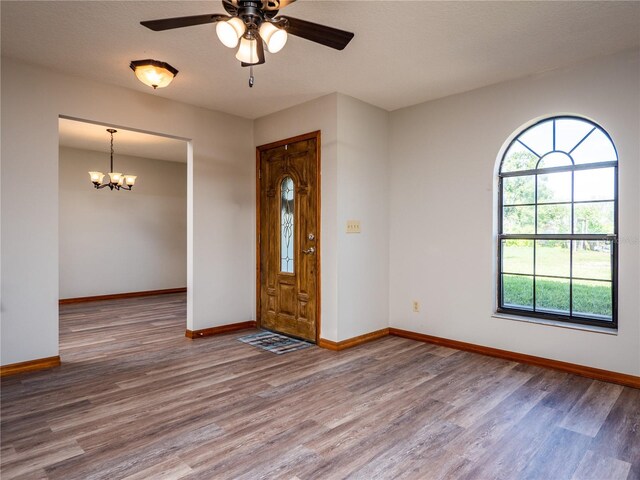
{"type": "Point", "coordinates": [117, 180]}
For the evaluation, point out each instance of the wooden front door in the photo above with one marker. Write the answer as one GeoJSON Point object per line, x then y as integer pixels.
{"type": "Point", "coordinates": [288, 236]}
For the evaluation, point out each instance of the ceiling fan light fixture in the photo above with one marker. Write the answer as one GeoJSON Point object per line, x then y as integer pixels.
{"type": "Point", "coordinates": [274, 37]}
{"type": "Point", "coordinates": [154, 73]}
{"type": "Point", "coordinates": [229, 32]}
{"type": "Point", "coordinates": [248, 51]}
{"type": "Point", "coordinates": [256, 24]}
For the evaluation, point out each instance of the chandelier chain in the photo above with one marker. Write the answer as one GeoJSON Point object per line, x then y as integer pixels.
{"type": "Point", "coordinates": [111, 151]}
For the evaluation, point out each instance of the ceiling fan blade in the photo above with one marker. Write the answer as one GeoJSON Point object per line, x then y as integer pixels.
{"type": "Point", "coordinates": [260, 49]}
{"type": "Point", "coordinates": [329, 36]}
{"type": "Point", "coordinates": [260, 46]}
{"type": "Point", "coordinates": [179, 22]}
{"type": "Point", "coordinates": [269, 5]}
{"type": "Point", "coordinates": [231, 6]}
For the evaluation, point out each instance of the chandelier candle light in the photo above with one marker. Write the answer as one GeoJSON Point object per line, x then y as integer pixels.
{"type": "Point", "coordinates": [117, 180]}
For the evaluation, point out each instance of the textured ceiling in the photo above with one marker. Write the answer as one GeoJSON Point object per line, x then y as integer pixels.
{"type": "Point", "coordinates": [403, 52]}
{"type": "Point", "coordinates": [92, 136]}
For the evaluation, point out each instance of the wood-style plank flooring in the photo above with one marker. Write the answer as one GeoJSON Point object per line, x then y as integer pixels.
{"type": "Point", "coordinates": [135, 399]}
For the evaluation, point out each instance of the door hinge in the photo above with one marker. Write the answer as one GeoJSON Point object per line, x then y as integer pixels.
{"type": "Point", "coordinates": [260, 173]}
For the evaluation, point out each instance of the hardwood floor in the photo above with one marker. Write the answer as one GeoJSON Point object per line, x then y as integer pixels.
{"type": "Point", "coordinates": [136, 399]}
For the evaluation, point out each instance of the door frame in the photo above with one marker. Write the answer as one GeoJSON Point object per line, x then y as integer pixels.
{"type": "Point", "coordinates": [307, 136]}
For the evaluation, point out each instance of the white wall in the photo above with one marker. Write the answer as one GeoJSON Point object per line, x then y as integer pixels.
{"type": "Point", "coordinates": [354, 187]}
{"type": "Point", "coordinates": [363, 194]}
{"type": "Point", "coordinates": [443, 156]}
{"type": "Point", "coordinates": [127, 241]}
{"type": "Point", "coordinates": [220, 207]}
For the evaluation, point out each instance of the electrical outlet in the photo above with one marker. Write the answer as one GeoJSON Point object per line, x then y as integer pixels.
{"type": "Point", "coordinates": [416, 306]}
{"type": "Point", "coordinates": [353, 226]}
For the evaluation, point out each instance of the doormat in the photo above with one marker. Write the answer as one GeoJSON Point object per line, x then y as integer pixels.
{"type": "Point", "coordinates": [274, 342]}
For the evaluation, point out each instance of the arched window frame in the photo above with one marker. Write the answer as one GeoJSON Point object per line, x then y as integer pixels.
{"type": "Point", "coordinates": [612, 238]}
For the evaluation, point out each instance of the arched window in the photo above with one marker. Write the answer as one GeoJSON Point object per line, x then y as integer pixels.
{"type": "Point", "coordinates": [557, 232]}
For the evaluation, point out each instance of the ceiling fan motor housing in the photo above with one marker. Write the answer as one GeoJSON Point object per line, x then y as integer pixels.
{"type": "Point", "coordinates": [252, 12]}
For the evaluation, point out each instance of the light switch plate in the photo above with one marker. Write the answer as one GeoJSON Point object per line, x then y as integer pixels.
{"type": "Point", "coordinates": [353, 226]}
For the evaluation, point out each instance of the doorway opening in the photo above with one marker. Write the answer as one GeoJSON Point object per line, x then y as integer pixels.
{"type": "Point", "coordinates": [120, 250]}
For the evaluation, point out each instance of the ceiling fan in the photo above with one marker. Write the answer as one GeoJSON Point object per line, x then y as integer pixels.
{"type": "Point", "coordinates": [252, 22]}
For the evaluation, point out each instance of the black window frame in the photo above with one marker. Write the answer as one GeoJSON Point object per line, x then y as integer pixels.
{"type": "Point", "coordinates": [612, 238]}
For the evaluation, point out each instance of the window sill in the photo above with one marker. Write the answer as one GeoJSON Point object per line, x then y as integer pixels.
{"type": "Point", "coordinates": [553, 323]}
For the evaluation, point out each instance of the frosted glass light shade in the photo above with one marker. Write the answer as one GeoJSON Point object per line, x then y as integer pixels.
{"type": "Point", "coordinates": [115, 176]}
{"type": "Point", "coordinates": [153, 73]}
{"type": "Point", "coordinates": [274, 37]}
{"type": "Point", "coordinates": [130, 180]}
{"type": "Point", "coordinates": [229, 32]}
{"type": "Point", "coordinates": [96, 177]}
{"type": "Point", "coordinates": [248, 51]}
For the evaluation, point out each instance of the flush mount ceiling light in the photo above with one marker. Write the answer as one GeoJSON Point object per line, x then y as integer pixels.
{"type": "Point", "coordinates": [117, 180]}
{"type": "Point", "coordinates": [154, 73]}
{"type": "Point", "coordinates": [255, 23]}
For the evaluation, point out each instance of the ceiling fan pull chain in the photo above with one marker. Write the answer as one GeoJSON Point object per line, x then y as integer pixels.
{"type": "Point", "coordinates": [251, 79]}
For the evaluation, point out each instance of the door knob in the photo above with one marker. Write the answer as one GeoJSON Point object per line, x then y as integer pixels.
{"type": "Point", "coordinates": [309, 251]}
